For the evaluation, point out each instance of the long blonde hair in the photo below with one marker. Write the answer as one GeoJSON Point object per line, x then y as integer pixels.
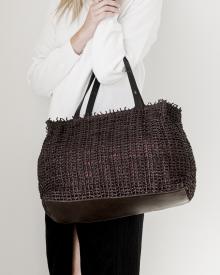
{"type": "Point", "coordinates": [73, 6]}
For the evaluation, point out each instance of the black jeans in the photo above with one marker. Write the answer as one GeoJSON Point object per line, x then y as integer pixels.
{"type": "Point", "coordinates": [110, 247]}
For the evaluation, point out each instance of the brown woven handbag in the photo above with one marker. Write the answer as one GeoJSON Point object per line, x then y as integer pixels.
{"type": "Point", "coordinates": [115, 164]}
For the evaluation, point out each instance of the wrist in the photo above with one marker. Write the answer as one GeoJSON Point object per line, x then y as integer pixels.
{"type": "Point", "coordinates": [85, 33]}
{"type": "Point", "coordinates": [78, 41]}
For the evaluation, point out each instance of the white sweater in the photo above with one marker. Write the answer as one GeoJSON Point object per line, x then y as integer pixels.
{"type": "Point", "coordinates": [59, 73]}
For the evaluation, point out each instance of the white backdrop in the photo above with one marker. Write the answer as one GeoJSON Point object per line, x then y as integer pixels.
{"type": "Point", "coordinates": [183, 66]}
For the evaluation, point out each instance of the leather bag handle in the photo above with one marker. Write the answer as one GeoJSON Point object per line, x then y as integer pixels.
{"type": "Point", "coordinates": [138, 100]}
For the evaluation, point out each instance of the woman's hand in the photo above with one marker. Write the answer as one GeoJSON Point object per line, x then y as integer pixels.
{"type": "Point", "coordinates": [98, 10]}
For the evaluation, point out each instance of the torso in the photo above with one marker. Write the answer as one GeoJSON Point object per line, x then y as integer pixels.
{"type": "Point", "coordinates": [68, 94]}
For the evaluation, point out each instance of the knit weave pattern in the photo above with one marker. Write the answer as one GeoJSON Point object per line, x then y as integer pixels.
{"type": "Point", "coordinates": [116, 154]}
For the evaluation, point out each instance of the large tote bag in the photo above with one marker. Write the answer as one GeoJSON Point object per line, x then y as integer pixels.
{"type": "Point", "coordinates": [115, 164]}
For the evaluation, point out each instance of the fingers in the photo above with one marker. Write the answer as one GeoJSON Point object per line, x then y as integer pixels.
{"type": "Point", "coordinates": [105, 7]}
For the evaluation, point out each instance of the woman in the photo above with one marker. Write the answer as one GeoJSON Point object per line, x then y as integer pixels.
{"type": "Point", "coordinates": [78, 37]}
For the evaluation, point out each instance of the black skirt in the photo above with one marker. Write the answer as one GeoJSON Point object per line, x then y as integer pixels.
{"type": "Point", "coordinates": [110, 247]}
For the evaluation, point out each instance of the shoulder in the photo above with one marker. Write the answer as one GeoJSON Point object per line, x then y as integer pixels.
{"type": "Point", "coordinates": [139, 9]}
{"type": "Point", "coordinates": [52, 15]}
{"type": "Point", "coordinates": [52, 7]}
{"type": "Point", "coordinates": [139, 4]}
{"type": "Point", "coordinates": [53, 4]}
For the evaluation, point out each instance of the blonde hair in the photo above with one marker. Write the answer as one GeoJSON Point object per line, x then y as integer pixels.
{"type": "Point", "coordinates": [73, 6]}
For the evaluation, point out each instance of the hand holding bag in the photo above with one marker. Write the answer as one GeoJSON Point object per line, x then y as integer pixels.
{"type": "Point", "coordinates": [115, 164]}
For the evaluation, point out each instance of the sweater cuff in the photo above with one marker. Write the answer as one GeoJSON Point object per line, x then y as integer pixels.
{"type": "Point", "coordinates": [69, 52]}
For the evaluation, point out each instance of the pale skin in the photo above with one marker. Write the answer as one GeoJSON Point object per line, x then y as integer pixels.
{"type": "Point", "coordinates": [98, 10]}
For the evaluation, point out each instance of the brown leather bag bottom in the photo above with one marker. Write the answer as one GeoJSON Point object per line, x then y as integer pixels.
{"type": "Point", "coordinates": [106, 209]}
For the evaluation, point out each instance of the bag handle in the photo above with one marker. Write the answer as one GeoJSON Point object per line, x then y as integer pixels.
{"type": "Point", "coordinates": [80, 105]}
{"type": "Point", "coordinates": [138, 101]}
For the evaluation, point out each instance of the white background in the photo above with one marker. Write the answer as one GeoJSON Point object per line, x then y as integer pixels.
{"type": "Point", "coordinates": [183, 66]}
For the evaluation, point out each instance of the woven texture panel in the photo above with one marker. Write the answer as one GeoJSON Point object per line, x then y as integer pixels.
{"type": "Point", "coordinates": [117, 154]}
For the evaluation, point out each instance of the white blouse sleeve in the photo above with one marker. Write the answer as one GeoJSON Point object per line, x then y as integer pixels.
{"type": "Point", "coordinates": [132, 37]}
{"type": "Point", "coordinates": [50, 63]}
